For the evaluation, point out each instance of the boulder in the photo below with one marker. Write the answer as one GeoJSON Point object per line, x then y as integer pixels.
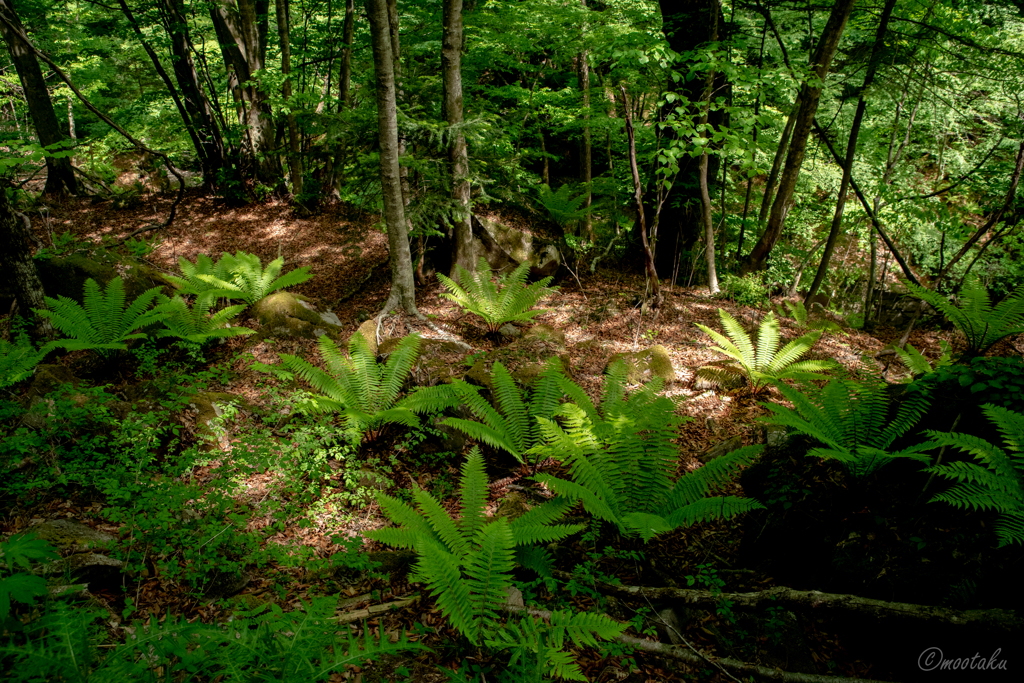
{"type": "Point", "coordinates": [525, 358]}
{"type": "Point", "coordinates": [208, 406]}
{"type": "Point", "coordinates": [47, 378]}
{"type": "Point", "coordinates": [67, 535]}
{"type": "Point", "coordinates": [368, 328]}
{"type": "Point", "coordinates": [66, 276]}
{"type": "Point", "coordinates": [284, 315]}
{"type": "Point", "coordinates": [440, 361]}
{"type": "Point", "coordinates": [645, 365]}
{"type": "Point", "coordinates": [721, 448]}
{"type": "Point", "coordinates": [506, 247]}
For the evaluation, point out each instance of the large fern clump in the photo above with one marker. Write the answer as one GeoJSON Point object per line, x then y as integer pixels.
{"type": "Point", "coordinates": [238, 276]}
{"type": "Point", "coordinates": [478, 294]}
{"type": "Point", "coordinates": [764, 362]}
{"type": "Point", "coordinates": [622, 458]}
{"type": "Point", "coordinates": [196, 324]}
{"type": "Point", "coordinates": [103, 321]}
{"type": "Point", "coordinates": [996, 481]}
{"type": "Point", "coordinates": [510, 424]}
{"type": "Point", "coordinates": [467, 563]}
{"type": "Point", "coordinates": [362, 390]}
{"type": "Point", "coordinates": [563, 208]}
{"type": "Point", "coordinates": [853, 421]}
{"type": "Point", "coordinates": [981, 323]}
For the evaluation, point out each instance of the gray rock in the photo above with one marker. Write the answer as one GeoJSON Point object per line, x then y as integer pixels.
{"type": "Point", "coordinates": [721, 448]}
{"type": "Point", "coordinates": [64, 534]}
{"type": "Point", "coordinates": [510, 330]}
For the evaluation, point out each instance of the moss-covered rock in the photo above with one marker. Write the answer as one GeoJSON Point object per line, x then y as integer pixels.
{"type": "Point", "coordinates": [67, 535]}
{"type": "Point", "coordinates": [66, 276]}
{"type": "Point", "coordinates": [525, 358]}
{"type": "Point", "coordinates": [207, 406]}
{"type": "Point", "coordinates": [645, 365]}
{"type": "Point", "coordinates": [287, 315]}
{"type": "Point", "coordinates": [368, 328]}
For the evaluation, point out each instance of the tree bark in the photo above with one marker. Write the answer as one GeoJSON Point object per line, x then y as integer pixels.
{"type": "Point", "coordinates": [403, 291]}
{"type": "Point", "coordinates": [60, 177]}
{"type": "Point", "coordinates": [242, 27]}
{"type": "Point", "coordinates": [809, 97]}
{"type": "Point", "coordinates": [281, 8]}
{"type": "Point", "coordinates": [851, 149]}
{"type": "Point", "coordinates": [19, 268]}
{"type": "Point", "coordinates": [347, 32]}
{"type": "Point", "coordinates": [458, 154]}
{"type": "Point", "coordinates": [652, 273]}
{"type": "Point", "coordinates": [705, 196]}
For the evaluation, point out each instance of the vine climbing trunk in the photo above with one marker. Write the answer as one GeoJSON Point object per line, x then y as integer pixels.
{"type": "Point", "coordinates": [60, 176]}
{"type": "Point", "coordinates": [458, 154]}
{"type": "Point", "coordinates": [403, 289]}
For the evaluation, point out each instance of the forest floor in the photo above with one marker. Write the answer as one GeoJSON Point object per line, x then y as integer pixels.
{"type": "Point", "coordinates": [599, 314]}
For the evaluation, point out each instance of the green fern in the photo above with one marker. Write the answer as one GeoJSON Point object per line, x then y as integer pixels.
{"type": "Point", "coordinates": [249, 280]}
{"type": "Point", "coordinates": [622, 458]}
{"type": "Point", "coordinates": [479, 295]}
{"type": "Point", "coordinates": [196, 324]}
{"type": "Point", "coordinates": [19, 360]}
{"type": "Point", "coordinates": [853, 422]}
{"type": "Point", "coordinates": [995, 484]}
{"type": "Point", "coordinates": [981, 323]}
{"type": "Point", "coordinates": [802, 317]}
{"type": "Point", "coordinates": [103, 322]}
{"type": "Point", "coordinates": [918, 364]}
{"type": "Point", "coordinates": [192, 282]}
{"type": "Point", "coordinates": [362, 390]}
{"type": "Point", "coordinates": [467, 564]}
{"type": "Point", "coordinates": [561, 206]}
{"type": "Point", "coordinates": [511, 423]}
{"type": "Point", "coordinates": [538, 646]}
{"type": "Point", "coordinates": [765, 362]}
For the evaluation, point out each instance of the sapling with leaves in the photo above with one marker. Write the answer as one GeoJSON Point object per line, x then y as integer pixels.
{"type": "Point", "coordinates": [103, 322]}
{"type": "Point", "coordinates": [766, 362]}
{"type": "Point", "coordinates": [510, 424]}
{"type": "Point", "coordinates": [512, 302]}
{"type": "Point", "coordinates": [467, 563]}
{"type": "Point", "coordinates": [854, 422]}
{"type": "Point", "coordinates": [622, 458]}
{"type": "Point", "coordinates": [996, 480]}
{"type": "Point", "coordinates": [362, 390]}
{"type": "Point", "coordinates": [982, 323]}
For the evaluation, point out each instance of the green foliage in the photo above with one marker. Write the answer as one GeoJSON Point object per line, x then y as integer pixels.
{"type": "Point", "coordinates": [853, 421]}
{"type": "Point", "coordinates": [511, 423]}
{"type": "Point", "coordinates": [479, 295]}
{"type": "Point", "coordinates": [17, 555]}
{"type": "Point", "coordinates": [537, 644]}
{"type": "Point", "coordinates": [195, 324]}
{"type": "Point", "coordinates": [986, 380]}
{"type": "Point", "coordinates": [561, 206]}
{"type": "Point", "coordinates": [362, 390]}
{"type": "Point", "coordinates": [467, 563]}
{"type": "Point", "coordinates": [622, 458]}
{"type": "Point", "coordinates": [801, 317]}
{"type": "Point", "coordinates": [766, 362]}
{"type": "Point", "coordinates": [103, 322]}
{"type": "Point", "coordinates": [238, 276]}
{"type": "Point", "coordinates": [981, 323]}
{"type": "Point", "coordinates": [918, 364]}
{"type": "Point", "coordinates": [749, 290]}
{"type": "Point", "coordinates": [997, 483]}
{"type": "Point", "coordinates": [18, 360]}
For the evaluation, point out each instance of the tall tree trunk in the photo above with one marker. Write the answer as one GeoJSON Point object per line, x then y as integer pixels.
{"type": "Point", "coordinates": [294, 153]}
{"type": "Point", "coordinates": [403, 291]}
{"type": "Point", "coordinates": [586, 154]}
{"type": "Point", "coordinates": [809, 97]}
{"type": "Point", "coordinates": [19, 268]}
{"type": "Point", "coordinates": [60, 177]}
{"type": "Point", "coordinates": [458, 154]}
{"type": "Point", "coordinates": [705, 195]}
{"type": "Point", "coordinates": [638, 194]}
{"type": "Point", "coordinates": [242, 27]}
{"type": "Point", "coordinates": [347, 33]}
{"type": "Point", "coordinates": [396, 57]}
{"type": "Point", "coordinates": [851, 149]}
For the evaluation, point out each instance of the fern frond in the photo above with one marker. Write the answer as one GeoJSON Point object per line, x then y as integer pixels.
{"type": "Point", "coordinates": [473, 493]}
{"type": "Point", "coordinates": [444, 581]}
{"type": "Point", "coordinates": [509, 400]}
{"type": "Point", "coordinates": [442, 525]}
{"type": "Point", "coordinates": [489, 570]}
{"type": "Point", "coordinates": [477, 294]}
{"type": "Point", "coordinates": [719, 507]}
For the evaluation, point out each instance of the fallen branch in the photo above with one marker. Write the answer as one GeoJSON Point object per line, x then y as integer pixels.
{"type": "Point", "coordinates": [374, 610]}
{"type": "Point", "coordinates": [780, 595]}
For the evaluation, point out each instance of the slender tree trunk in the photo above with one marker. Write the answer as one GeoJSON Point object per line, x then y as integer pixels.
{"type": "Point", "coordinates": [809, 97]}
{"type": "Point", "coordinates": [403, 291]}
{"type": "Point", "coordinates": [705, 196]}
{"type": "Point", "coordinates": [348, 31]}
{"type": "Point", "coordinates": [851, 149]}
{"type": "Point", "coordinates": [60, 177]}
{"type": "Point", "coordinates": [19, 268]}
{"type": "Point", "coordinates": [638, 193]}
{"type": "Point", "coordinates": [242, 27]}
{"type": "Point", "coordinates": [586, 154]}
{"type": "Point", "coordinates": [458, 154]}
{"type": "Point", "coordinates": [294, 152]}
